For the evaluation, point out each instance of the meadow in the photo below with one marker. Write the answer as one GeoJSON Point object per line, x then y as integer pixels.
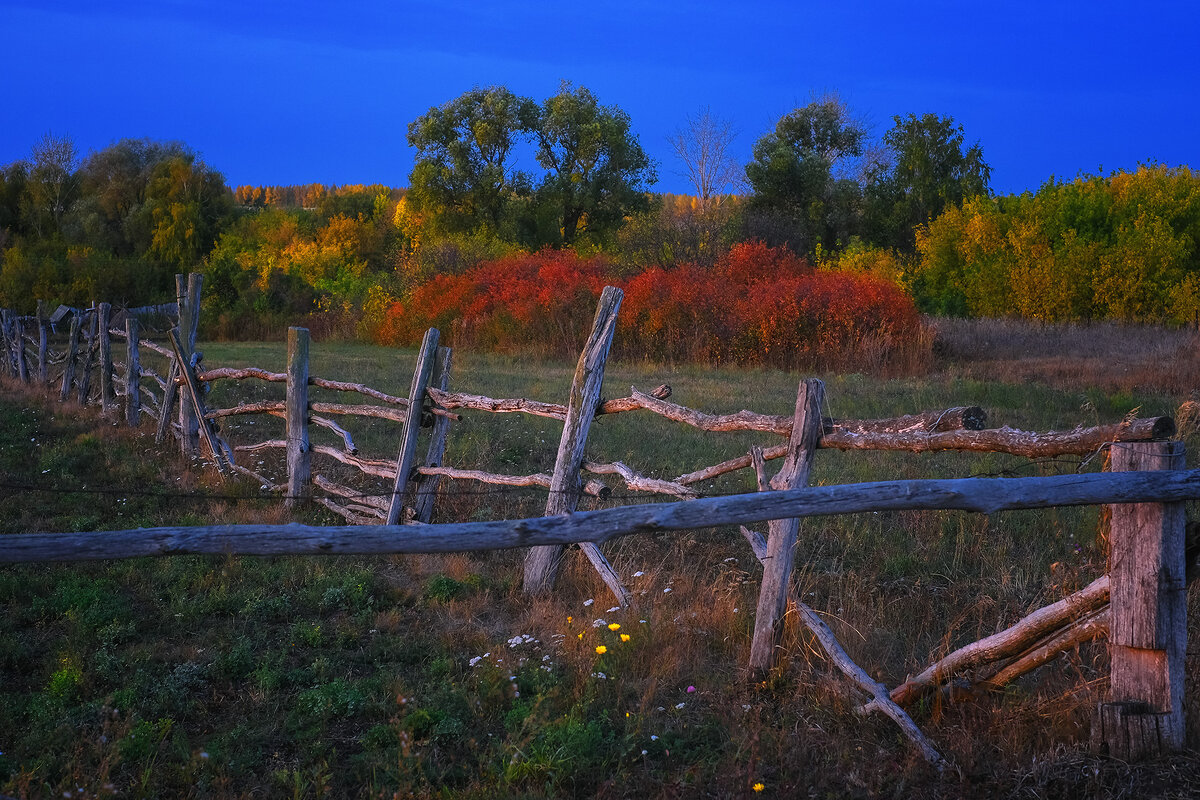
{"type": "Point", "coordinates": [435, 676]}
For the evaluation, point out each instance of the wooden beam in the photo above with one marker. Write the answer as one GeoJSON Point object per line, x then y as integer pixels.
{"type": "Point", "coordinates": [782, 533]}
{"type": "Point", "coordinates": [412, 423]}
{"type": "Point", "coordinates": [192, 390]}
{"type": "Point", "coordinates": [986, 495]}
{"type": "Point", "coordinates": [299, 450]}
{"type": "Point", "coordinates": [72, 350]}
{"type": "Point", "coordinates": [133, 371]}
{"type": "Point", "coordinates": [108, 400]}
{"type": "Point", "coordinates": [427, 485]}
{"type": "Point", "coordinates": [1148, 635]}
{"type": "Point", "coordinates": [542, 563]}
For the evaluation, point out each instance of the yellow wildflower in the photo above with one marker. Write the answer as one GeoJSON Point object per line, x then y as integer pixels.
{"type": "Point", "coordinates": [601, 649]}
{"type": "Point", "coordinates": [624, 637]}
{"type": "Point", "coordinates": [758, 787]}
{"type": "Point", "coordinates": [614, 626]}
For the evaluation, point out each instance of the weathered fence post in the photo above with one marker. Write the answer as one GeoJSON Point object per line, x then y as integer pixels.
{"type": "Point", "coordinates": [781, 539]}
{"type": "Point", "coordinates": [542, 563]}
{"type": "Point", "coordinates": [299, 450]}
{"type": "Point", "coordinates": [43, 343]}
{"type": "Point", "coordinates": [8, 354]}
{"type": "Point", "coordinates": [85, 376]}
{"type": "Point", "coordinates": [69, 367]}
{"type": "Point", "coordinates": [133, 371]}
{"type": "Point", "coordinates": [191, 388]}
{"type": "Point", "coordinates": [188, 300]}
{"type": "Point", "coordinates": [107, 396]}
{"type": "Point", "coordinates": [412, 423]}
{"type": "Point", "coordinates": [19, 337]}
{"type": "Point", "coordinates": [1148, 634]}
{"type": "Point", "coordinates": [427, 486]}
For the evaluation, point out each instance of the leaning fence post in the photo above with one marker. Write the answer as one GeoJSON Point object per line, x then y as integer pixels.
{"type": "Point", "coordinates": [542, 563]}
{"type": "Point", "coordinates": [427, 486]}
{"type": "Point", "coordinates": [299, 450]}
{"type": "Point", "coordinates": [1148, 601]}
{"type": "Point", "coordinates": [412, 423]}
{"type": "Point", "coordinates": [781, 539]}
{"type": "Point", "coordinates": [133, 372]}
{"type": "Point", "coordinates": [69, 367]}
{"type": "Point", "coordinates": [187, 292]}
{"type": "Point", "coordinates": [107, 396]}
{"type": "Point", "coordinates": [43, 343]}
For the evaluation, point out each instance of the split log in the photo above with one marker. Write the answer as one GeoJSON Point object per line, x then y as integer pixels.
{"type": "Point", "coordinates": [422, 371]}
{"type": "Point", "coordinates": [242, 373]}
{"type": "Point", "coordinates": [299, 449]}
{"type": "Point", "coordinates": [347, 439]}
{"type": "Point", "coordinates": [758, 542]}
{"type": "Point", "coordinates": [348, 514]}
{"type": "Point", "coordinates": [44, 343]}
{"type": "Point", "coordinates": [1007, 643]}
{"type": "Point", "coordinates": [89, 355]}
{"type": "Point", "coordinates": [1081, 442]}
{"type": "Point", "coordinates": [593, 488]}
{"type": "Point", "coordinates": [760, 469]}
{"type": "Point", "coordinates": [435, 453]}
{"type": "Point", "coordinates": [262, 481]}
{"type": "Point", "coordinates": [1086, 629]}
{"type": "Point", "coordinates": [192, 392]}
{"type": "Point", "coordinates": [997, 440]}
{"type": "Point", "coordinates": [782, 532]}
{"type": "Point", "coordinates": [542, 563]}
{"type": "Point", "coordinates": [985, 495]}
{"type": "Point", "coordinates": [72, 349]}
{"type": "Point", "coordinates": [107, 398]}
{"type": "Point", "coordinates": [475, 402]}
{"type": "Point", "coordinates": [170, 394]}
{"type": "Point", "coordinates": [377, 502]}
{"type": "Point", "coordinates": [133, 372]}
{"type": "Point", "coordinates": [638, 482]}
{"type": "Point", "coordinates": [157, 348]}
{"type": "Point", "coordinates": [273, 406]}
{"type": "Point", "coordinates": [841, 659]}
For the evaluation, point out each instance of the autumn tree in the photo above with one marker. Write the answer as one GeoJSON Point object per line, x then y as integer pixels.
{"type": "Point", "coordinates": [187, 203]}
{"type": "Point", "coordinates": [702, 145]}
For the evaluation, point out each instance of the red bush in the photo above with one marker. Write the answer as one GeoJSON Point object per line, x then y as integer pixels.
{"type": "Point", "coordinates": [756, 305]}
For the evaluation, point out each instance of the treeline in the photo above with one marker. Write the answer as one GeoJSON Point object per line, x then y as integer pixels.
{"type": "Point", "coordinates": [1121, 247]}
{"type": "Point", "coordinates": [824, 216]}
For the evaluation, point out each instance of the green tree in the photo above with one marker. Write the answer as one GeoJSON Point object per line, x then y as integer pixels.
{"type": "Point", "coordinates": [464, 174]}
{"type": "Point", "coordinates": [13, 179]}
{"type": "Point", "coordinates": [930, 171]}
{"type": "Point", "coordinates": [597, 171]}
{"type": "Point", "coordinates": [801, 171]}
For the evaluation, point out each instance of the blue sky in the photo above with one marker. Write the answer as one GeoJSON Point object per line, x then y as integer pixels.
{"type": "Point", "coordinates": [277, 93]}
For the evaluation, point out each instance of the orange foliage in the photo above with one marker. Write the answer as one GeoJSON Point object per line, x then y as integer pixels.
{"type": "Point", "coordinates": [756, 305]}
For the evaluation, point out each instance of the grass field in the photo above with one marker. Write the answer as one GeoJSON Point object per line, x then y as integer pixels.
{"type": "Point", "coordinates": [434, 676]}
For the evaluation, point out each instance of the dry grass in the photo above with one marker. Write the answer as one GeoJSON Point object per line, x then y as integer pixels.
{"type": "Point", "coordinates": [1107, 356]}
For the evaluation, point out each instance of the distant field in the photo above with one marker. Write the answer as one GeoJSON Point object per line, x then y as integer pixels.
{"type": "Point", "coordinates": [399, 676]}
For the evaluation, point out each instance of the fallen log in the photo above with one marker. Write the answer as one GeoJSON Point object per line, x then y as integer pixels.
{"type": "Point", "coordinates": [1009, 642]}
{"type": "Point", "coordinates": [1086, 629]}
{"type": "Point", "coordinates": [349, 514]}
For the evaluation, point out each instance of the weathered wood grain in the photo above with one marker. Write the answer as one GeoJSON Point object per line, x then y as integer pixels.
{"type": "Point", "coordinates": [781, 537]}
{"type": "Point", "coordinates": [542, 563]}
{"type": "Point", "coordinates": [984, 495]}
{"type": "Point", "coordinates": [412, 424]}
{"type": "Point", "coordinates": [299, 450]}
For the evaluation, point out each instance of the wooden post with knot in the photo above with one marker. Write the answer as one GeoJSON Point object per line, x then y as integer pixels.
{"type": "Point", "coordinates": [1144, 715]}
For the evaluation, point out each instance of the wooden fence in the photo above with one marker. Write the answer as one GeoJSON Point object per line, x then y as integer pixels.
{"type": "Point", "coordinates": [1140, 606]}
